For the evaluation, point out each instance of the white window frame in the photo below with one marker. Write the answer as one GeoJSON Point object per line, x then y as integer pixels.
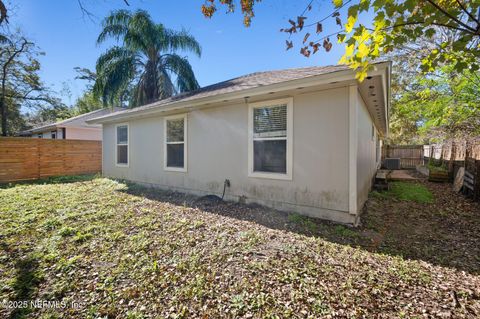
{"type": "Point", "coordinates": [116, 145]}
{"type": "Point", "coordinates": [289, 138]}
{"type": "Point", "coordinates": [185, 143]}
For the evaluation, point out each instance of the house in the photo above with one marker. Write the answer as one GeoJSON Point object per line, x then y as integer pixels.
{"type": "Point", "coordinates": [304, 140]}
{"type": "Point", "coordinates": [74, 128]}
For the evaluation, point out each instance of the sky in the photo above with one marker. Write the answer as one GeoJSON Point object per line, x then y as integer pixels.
{"type": "Point", "coordinates": [68, 37]}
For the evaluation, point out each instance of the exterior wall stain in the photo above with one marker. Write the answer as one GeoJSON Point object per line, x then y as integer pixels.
{"type": "Point", "coordinates": [218, 150]}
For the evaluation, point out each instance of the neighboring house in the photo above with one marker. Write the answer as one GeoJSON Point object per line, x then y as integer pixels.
{"type": "Point", "coordinates": [301, 140]}
{"type": "Point", "coordinates": [74, 128]}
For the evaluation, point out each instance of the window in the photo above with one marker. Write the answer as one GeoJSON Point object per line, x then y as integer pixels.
{"type": "Point", "coordinates": [176, 143]}
{"type": "Point", "coordinates": [270, 139]}
{"type": "Point", "coordinates": [54, 134]}
{"type": "Point", "coordinates": [122, 145]}
{"type": "Point", "coordinates": [40, 135]}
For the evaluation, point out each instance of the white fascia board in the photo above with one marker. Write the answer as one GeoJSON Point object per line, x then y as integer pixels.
{"type": "Point", "coordinates": [384, 70]}
{"type": "Point", "coordinates": [322, 79]}
{"type": "Point", "coordinates": [45, 128]}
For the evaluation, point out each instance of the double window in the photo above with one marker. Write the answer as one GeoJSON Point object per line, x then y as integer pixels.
{"type": "Point", "coordinates": [122, 145]}
{"type": "Point", "coordinates": [176, 143]}
{"type": "Point", "coordinates": [270, 139]}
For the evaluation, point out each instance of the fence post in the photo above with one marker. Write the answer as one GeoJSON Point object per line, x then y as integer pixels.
{"type": "Point", "coordinates": [453, 151]}
{"type": "Point", "coordinates": [431, 154]}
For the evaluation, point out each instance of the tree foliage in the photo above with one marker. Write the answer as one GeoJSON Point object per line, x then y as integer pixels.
{"type": "Point", "coordinates": [20, 83]}
{"type": "Point", "coordinates": [39, 117]}
{"type": "Point", "coordinates": [395, 23]}
{"type": "Point", "coordinates": [211, 6]}
{"type": "Point", "coordinates": [145, 65]}
{"type": "Point", "coordinates": [88, 102]}
{"type": "Point", "coordinates": [436, 107]}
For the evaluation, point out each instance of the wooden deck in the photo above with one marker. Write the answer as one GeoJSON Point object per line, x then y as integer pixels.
{"type": "Point", "coordinates": [396, 175]}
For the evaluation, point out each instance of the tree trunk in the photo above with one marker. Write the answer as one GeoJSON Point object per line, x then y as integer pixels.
{"type": "Point", "coordinates": [3, 108]}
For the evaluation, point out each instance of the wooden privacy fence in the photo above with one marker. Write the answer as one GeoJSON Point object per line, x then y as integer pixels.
{"type": "Point", "coordinates": [410, 155]}
{"type": "Point", "coordinates": [34, 158]}
{"type": "Point", "coordinates": [454, 154]}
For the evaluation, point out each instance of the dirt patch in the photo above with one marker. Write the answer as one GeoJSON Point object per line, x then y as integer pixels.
{"type": "Point", "coordinates": [445, 232]}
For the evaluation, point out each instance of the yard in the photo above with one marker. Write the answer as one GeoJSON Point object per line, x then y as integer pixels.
{"type": "Point", "coordinates": [118, 250]}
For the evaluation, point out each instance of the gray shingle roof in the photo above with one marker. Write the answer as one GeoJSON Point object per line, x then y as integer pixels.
{"type": "Point", "coordinates": [76, 121]}
{"type": "Point", "coordinates": [241, 83]}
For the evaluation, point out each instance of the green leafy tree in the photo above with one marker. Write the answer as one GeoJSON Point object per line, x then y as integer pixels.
{"type": "Point", "coordinates": [20, 82]}
{"type": "Point", "coordinates": [146, 64]}
{"type": "Point", "coordinates": [43, 116]}
{"type": "Point", "coordinates": [87, 102]}
{"type": "Point", "coordinates": [436, 107]}
{"type": "Point", "coordinates": [395, 23]}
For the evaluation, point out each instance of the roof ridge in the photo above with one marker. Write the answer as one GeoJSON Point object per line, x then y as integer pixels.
{"type": "Point", "coordinates": [78, 116]}
{"type": "Point", "coordinates": [240, 77]}
{"type": "Point", "coordinates": [245, 82]}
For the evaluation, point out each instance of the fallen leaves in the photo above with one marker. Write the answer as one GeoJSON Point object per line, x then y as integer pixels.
{"type": "Point", "coordinates": [154, 254]}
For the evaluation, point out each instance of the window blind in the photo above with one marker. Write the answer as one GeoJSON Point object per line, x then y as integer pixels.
{"type": "Point", "coordinates": [175, 130]}
{"type": "Point", "coordinates": [270, 121]}
{"type": "Point", "coordinates": [122, 134]}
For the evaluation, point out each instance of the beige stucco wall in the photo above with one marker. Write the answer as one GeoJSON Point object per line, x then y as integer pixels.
{"type": "Point", "coordinates": [47, 134]}
{"type": "Point", "coordinates": [366, 152]}
{"type": "Point", "coordinates": [74, 133]}
{"type": "Point", "coordinates": [217, 150]}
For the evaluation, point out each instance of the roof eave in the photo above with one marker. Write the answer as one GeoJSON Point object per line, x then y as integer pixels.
{"type": "Point", "coordinates": [42, 128]}
{"type": "Point", "coordinates": [382, 68]}
{"type": "Point", "coordinates": [338, 76]}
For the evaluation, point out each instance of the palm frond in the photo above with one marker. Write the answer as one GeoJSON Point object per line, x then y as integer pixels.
{"type": "Point", "coordinates": [115, 70]}
{"type": "Point", "coordinates": [141, 33]}
{"type": "Point", "coordinates": [165, 85]}
{"type": "Point", "coordinates": [182, 40]}
{"type": "Point", "coordinates": [180, 66]}
{"type": "Point", "coordinates": [140, 64]}
{"type": "Point", "coordinates": [113, 54]}
{"type": "Point", "coordinates": [115, 25]}
{"type": "Point", "coordinates": [112, 31]}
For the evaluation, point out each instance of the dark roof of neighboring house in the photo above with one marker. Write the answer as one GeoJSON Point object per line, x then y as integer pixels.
{"type": "Point", "coordinates": [76, 121]}
{"type": "Point", "coordinates": [249, 81]}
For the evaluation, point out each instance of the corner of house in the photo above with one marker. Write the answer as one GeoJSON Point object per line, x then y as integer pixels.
{"type": "Point", "coordinates": [352, 148]}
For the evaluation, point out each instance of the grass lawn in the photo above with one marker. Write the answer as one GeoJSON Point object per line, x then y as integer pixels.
{"type": "Point", "coordinates": [118, 252]}
{"type": "Point", "coordinates": [411, 192]}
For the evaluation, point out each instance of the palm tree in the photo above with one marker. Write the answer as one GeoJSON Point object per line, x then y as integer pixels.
{"type": "Point", "coordinates": [146, 65]}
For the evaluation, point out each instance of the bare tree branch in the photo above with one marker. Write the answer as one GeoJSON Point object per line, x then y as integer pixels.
{"type": "Point", "coordinates": [467, 12]}
{"type": "Point", "coordinates": [466, 26]}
